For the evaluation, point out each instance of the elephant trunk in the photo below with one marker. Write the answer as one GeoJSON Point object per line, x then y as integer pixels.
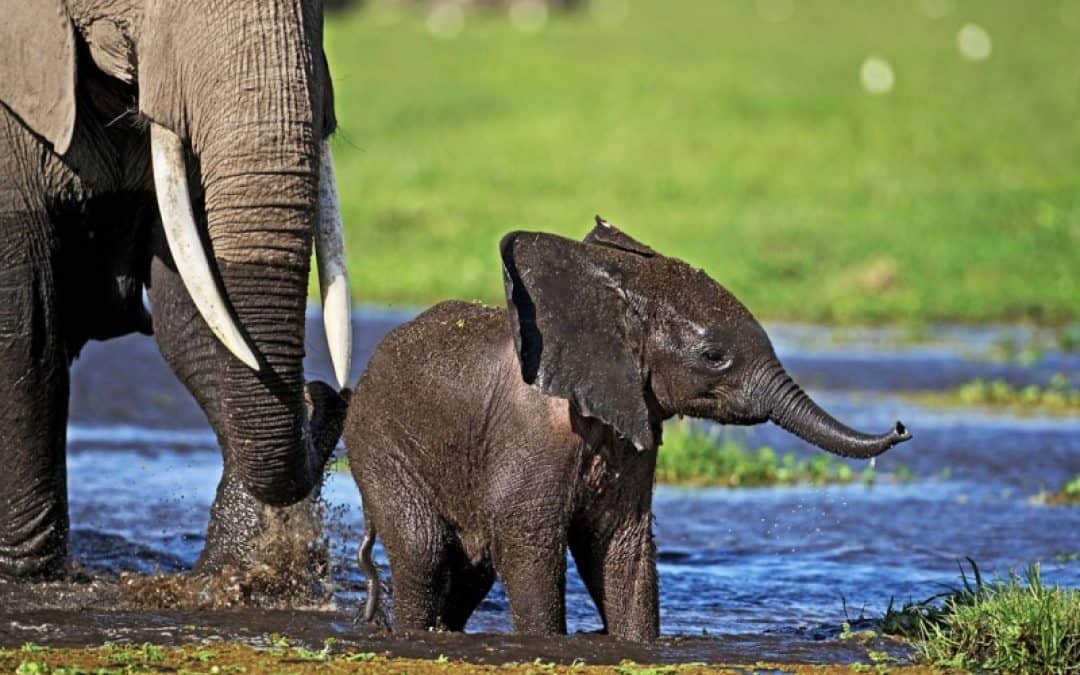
{"type": "Point", "coordinates": [261, 217]}
{"type": "Point", "coordinates": [260, 166]}
{"type": "Point", "coordinates": [252, 113]}
{"type": "Point", "coordinates": [792, 409]}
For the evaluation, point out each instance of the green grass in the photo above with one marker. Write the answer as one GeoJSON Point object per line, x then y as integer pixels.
{"type": "Point", "coordinates": [690, 455]}
{"type": "Point", "coordinates": [1012, 624]}
{"type": "Point", "coordinates": [746, 147]}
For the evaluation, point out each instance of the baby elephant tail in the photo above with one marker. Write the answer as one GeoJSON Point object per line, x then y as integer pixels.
{"type": "Point", "coordinates": [371, 572]}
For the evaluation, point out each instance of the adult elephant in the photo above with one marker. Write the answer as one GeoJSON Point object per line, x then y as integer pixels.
{"type": "Point", "coordinates": [181, 147]}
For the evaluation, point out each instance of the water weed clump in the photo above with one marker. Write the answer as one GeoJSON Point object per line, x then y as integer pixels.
{"type": "Point", "coordinates": [691, 455]}
{"type": "Point", "coordinates": [1068, 495]}
{"type": "Point", "coordinates": [1058, 395]}
{"type": "Point", "coordinates": [1016, 624]}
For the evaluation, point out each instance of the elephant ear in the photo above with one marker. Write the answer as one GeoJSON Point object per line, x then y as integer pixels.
{"type": "Point", "coordinates": [577, 336]}
{"type": "Point", "coordinates": [606, 234]}
{"type": "Point", "coordinates": [37, 68]}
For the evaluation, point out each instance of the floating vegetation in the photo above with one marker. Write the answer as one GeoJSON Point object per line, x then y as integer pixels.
{"type": "Point", "coordinates": [1058, 396]}
{"type": "Point", "coordinates": [1068, 495]}
{"type": "Point", "coordinates": [691, 455]}
{"type": "Point", "coordinates": [1014, 624]}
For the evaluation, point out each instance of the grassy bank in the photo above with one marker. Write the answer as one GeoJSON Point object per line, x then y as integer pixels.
{"type": "Point", "coordinates": [237, 658]}
{"type": "Point", "coordinates": [744, 145]}
{"type": "Point", "coordinates": [1014, 624]}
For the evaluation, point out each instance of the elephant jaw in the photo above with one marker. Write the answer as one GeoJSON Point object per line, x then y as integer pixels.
{"type": "Point", "coordinates": [193, 266]}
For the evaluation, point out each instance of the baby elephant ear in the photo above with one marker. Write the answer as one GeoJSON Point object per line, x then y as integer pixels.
{"type": "Point", "coordinates": [606, 234]}
{"type": "Point", "coordinates": [576, 336]}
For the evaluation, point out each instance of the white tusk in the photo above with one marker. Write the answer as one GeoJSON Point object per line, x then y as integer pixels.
{"type": "Point", "coordinates": [174, 203]}
{"type": "Point", "coordinates": [333, 274]}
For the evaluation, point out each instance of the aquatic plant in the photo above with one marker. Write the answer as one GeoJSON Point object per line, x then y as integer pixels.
{"type": "Point", "coordinates": [691, 455]}
{"type": "Point", "coordinates": [1057, 395]}
{"type": "Point", "coordinates": [1013, 624]}
{"type": "Point", "coordinates": [1069, 493]}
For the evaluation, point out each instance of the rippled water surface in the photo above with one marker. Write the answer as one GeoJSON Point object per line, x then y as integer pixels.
{"type": "Point", "coordinates": [775, 569]}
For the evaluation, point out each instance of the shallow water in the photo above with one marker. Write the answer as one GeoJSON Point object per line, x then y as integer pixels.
{"type": "Point", "coordinates": [762, 573]}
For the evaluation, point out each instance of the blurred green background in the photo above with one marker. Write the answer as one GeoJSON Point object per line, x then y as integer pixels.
{"type": "Point", "coordinates": [835, 161]}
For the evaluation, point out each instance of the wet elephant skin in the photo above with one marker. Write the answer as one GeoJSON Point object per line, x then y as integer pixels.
{"type": "Point", "coordinates": [245, 90]}
{"type": "Point", "coordinates": [488, 442]}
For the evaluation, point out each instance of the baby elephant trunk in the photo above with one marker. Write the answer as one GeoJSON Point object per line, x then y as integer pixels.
{"type": "Point", "coordinates": [796, 412]}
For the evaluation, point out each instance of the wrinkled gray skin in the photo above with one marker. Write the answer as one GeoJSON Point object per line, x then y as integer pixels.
{"type": "Point", "coordinates": [245, 86]}
{"type": "Point", "coordinates": [485, 442]}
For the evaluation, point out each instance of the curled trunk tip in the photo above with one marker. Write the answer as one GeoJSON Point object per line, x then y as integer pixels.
{"type": "Point", "coordinates": [901, 432]}
{"type": "Point", "coordinates": [798, 413]}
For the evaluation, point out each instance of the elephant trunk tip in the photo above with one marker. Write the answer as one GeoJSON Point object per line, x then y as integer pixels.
{"type": "Point", "coordinates": [893, 437]}
{"type": "Point", "coordinates": [901, 433]}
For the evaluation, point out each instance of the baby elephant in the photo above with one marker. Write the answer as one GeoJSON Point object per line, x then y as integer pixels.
{"type": "Point", "coordinates": [485, 441]}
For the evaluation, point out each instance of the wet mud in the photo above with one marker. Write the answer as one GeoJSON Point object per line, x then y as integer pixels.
{"type": "Point", "coordinates": [746, 575]}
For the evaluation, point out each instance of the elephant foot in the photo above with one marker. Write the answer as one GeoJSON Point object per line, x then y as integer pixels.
{"type": "Point", "coordinates": [255, 556]}
{"type": "Point", "coordinates": [262, 555]}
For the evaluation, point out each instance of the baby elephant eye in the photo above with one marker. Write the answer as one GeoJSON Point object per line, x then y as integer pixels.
{"type": "Point", "coordinates": [717, 359]}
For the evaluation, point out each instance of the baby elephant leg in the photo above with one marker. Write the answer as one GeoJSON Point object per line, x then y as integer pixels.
{"type": "Point", "coordinates": [417, 548]}
{"type": "Point", "coordinates": [533, 568]}
{"type": "Point", "coordinates": [469, 585]}
{"type": "Point", "coordinates": [619, 570]}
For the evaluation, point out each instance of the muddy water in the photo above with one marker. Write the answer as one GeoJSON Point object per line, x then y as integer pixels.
{"type": "Point", "coordinates": [745, 574]}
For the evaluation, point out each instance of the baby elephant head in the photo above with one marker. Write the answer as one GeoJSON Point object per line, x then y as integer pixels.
{"type": "Point", "coordinates": [632, 337]}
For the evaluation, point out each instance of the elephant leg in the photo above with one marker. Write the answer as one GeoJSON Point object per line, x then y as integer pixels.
{"type": "Point", "coordinates": [620, 572]}
{"type": "Point", "coordinates": [533, 568]}
{"type": "Point", "coordinates": [588, 555]}
{"type": "Point", "coordinates": [417, 544]}
{"type": "Point", "coordinates": [469, 585]}
{"type": "Point", "coordinates": [243, 532]}
{"type": "Point", "coordinates": [33, 414]}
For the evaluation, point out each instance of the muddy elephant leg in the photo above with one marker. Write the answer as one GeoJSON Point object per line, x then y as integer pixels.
{"type": "Point", "coordinates": [33, 414]}
{"type": "Point", "coordinates": [469, 585]}
{"type": "Point", "coordinates": [588, 555]}
{"type": "Point", "coordinates": [620, 573]}
{"type": "Point", "coordinates": [417, 543]}
{"type": "Point", "coordinates": [533, 568]}
{"type": "Point", "coordinates": [243, 532]}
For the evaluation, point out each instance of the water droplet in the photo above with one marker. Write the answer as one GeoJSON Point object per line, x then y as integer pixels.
{"type": "Point", "coordinates": [974, 42]}
{"type": "Point", "coordinates": [877, 75]}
